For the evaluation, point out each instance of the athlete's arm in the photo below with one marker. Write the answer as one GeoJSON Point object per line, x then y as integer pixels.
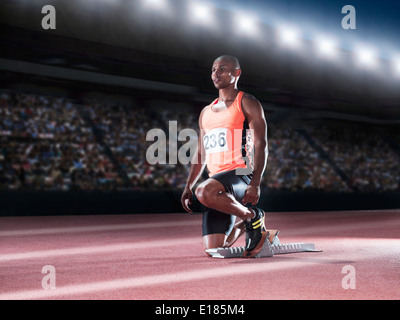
{"type": "Point", "coordinates": [254, 114]}
{"type": "Point", "coordinates": [196, 169]}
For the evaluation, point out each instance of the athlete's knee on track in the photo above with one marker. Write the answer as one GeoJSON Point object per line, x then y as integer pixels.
{"type": "Point", "coordinates": [206, 247]}
{"type": "Point", "coordinates": [213, 241]}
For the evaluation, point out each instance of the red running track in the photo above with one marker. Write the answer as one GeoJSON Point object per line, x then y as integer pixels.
{"type": "Point", "coordinates": [160, 257]}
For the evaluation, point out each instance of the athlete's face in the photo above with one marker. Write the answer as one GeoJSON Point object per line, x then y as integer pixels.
{"type": "Point", "coordinates": [224, 73]}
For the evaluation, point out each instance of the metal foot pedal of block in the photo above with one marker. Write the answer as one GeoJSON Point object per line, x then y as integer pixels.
{"type": "Point", "coordinates": [237, 252]}
{"type": "Point", "coordinates": [294, 248]}
{"type": "Point", "coordinates": [224, 253]}
{"type": "Point", "coordinates": [268, 250]}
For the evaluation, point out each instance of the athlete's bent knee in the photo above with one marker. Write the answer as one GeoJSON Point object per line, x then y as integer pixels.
{"type": "Point", "coordinates": [212, 241]}
{"type": "Point", "coordinates": [205, 195]}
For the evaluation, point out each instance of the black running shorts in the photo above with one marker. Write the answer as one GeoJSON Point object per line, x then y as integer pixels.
{"type": "Point", "coordinates": [218, 222]}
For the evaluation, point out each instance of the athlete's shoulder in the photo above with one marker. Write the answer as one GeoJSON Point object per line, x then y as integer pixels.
{"type": "Point", "coordinates": [202, 114]}
{"type": "Point", "coordinates": [247, 97]}
{"type": "Point", "coordinates": [251, 106]}
{"type": "Point", "coordinates": [205, 108]}
{"type": "Point", "coordinates": [249, 101]}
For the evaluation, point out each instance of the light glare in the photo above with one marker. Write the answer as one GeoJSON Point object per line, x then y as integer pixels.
{"type": "Point", "coordinates": [289, 36]}
{"type": "Point", "coordinates": [156, 4]}
{"type": "Point", "coordinates": [396, 65]}
{"type": "Point", "coordinates": [246, 24]}
{"type": "Point", "coordinates": [201, 13]}
{"type": "Point", "coordinates": [326, 47]}
{"type": "Point", "coordinates": [366, 57]}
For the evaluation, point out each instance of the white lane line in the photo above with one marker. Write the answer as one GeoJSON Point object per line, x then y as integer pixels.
{"type": "Point", "coordinates": [112, 227]}
{"type": "Point", "coordinates": [40, 254]}
{"type": "Point", "coordinates": [154, 280]}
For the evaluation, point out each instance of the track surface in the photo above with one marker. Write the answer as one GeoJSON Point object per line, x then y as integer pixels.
{"type": "Point", "coordinates": [160, 257]}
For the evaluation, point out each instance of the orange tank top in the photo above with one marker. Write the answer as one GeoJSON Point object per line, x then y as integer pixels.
{"type": "Point", "coordinates": [226, 138]}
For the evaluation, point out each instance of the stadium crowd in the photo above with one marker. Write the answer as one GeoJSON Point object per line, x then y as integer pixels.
{"type": "Point", "coordinates": [46, 145]}
{"type": "Point", "coordinates": [49, 143]}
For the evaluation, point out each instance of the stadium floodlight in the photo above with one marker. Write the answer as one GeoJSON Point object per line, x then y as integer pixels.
{"type": "Point", "coordinates": [396, 65]}
{"type": "Point", "coordinates": [246, 24]}
{"type": "Point", "coordinates": [366, 57]}
{"type": "Point", "coordinates": [326, 47]}
{"type": "Point", "coordinates": [289, 36]}
{"type": "Point", "coordinates": [155, 4]}
{"type": "Point", "coordinates": [201, 13]}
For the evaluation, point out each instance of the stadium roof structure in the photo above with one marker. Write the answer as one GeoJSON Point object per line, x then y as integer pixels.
{"type": "Point", "coordinates": [161, 48]}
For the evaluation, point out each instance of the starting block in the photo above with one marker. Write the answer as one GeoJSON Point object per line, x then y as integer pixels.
{"type": "Point", "coordinates": [268, 250]}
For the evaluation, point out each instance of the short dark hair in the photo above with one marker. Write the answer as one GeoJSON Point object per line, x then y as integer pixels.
{"type": "Point", "coordinates": [231, 59]}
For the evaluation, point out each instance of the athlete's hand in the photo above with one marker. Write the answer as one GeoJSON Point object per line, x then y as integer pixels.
{"type": "Point", "coordinates": [186, 199]}
{"type": "Point", "coordinates": [251, 195]}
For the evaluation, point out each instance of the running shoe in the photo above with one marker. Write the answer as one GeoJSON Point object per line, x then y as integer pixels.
{"type": "Point", "coordinates": [239, 229]}
{"type": "Point", "coordinates": [255, 234]}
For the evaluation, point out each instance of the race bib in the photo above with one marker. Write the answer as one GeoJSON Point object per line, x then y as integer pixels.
{"type": "Point", "coordinates": [216, 140]}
